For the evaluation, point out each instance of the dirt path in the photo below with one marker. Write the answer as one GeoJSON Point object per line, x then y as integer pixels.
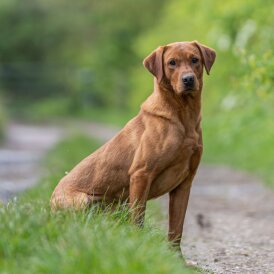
{"type": "Point", "coordinates": [20, 154]}
{"type": "Point", "coordinates": [24, 147]}
{"type": "Point", "coordinates": [230, 221]}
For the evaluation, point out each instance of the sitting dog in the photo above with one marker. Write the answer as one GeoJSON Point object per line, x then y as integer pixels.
{"type": "Point", "coordinates": [158, 151]}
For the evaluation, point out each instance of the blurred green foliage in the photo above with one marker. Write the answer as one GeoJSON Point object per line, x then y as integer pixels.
{"type": "Point", "coordinates": [2, 120]}
{"type": "Point", "coordinates": [76, 49]}
{"type": "Point", "coordinates": [236, 29]}
{"type": "Point", "coordinates": [73, 57]}
{"type": "Point", "coordinates": [89, 52]}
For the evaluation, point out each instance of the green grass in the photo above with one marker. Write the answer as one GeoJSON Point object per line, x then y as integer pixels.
{"type": "Point", "coordinates": [243, 140]}
{"type": "Point", "coordinates": [109, 116]}
{"type": "Point", "coordinates": [2, 120]}
{"type": "Point", "coordinates": [56, 109]}
{"type": "Point", "coordinates": [35, 240]}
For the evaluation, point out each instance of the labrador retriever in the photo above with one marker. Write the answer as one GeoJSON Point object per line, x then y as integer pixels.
{"type": "Point", "coordinates": [158, 151]}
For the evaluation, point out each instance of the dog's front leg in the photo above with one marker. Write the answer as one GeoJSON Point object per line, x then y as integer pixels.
{"type": "Point", "coordinates": [146, 166]}
{"type": "Point", "coordinates": [138, 194]}
{"type": "Point", "coordinates": [178, 201]}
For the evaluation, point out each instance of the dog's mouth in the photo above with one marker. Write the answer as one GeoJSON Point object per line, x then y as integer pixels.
{"type": "Point", "coordinates": [184, 91]}
{"type": "Point", "coordinates": [187, 91]}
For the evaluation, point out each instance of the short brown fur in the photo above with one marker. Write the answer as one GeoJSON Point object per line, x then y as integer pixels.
{"type": "Point", "coordinates": [157, 152]}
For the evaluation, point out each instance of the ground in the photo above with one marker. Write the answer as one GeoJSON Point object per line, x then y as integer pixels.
{"type": "Point", "coordinates": [229, 223]}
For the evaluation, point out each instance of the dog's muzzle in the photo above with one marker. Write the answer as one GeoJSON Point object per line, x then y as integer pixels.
{"type": "Point", "coordinates": [188, 81]}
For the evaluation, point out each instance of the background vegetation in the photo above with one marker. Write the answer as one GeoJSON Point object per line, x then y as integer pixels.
{"type": "Point", "coordinates": [84, 59]}
{"type": "Point", "coordinates": [69, 55]}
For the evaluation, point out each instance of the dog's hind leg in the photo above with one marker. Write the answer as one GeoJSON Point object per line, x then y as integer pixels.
{"type": "Point", "coordinates": [73, 199]}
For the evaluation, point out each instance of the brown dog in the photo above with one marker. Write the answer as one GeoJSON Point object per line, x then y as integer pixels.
{"type": "Point", "coordinates": [158, 151]}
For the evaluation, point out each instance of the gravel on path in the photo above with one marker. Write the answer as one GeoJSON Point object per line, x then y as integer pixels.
{"type": "Point", "coordinates": [229, 225]}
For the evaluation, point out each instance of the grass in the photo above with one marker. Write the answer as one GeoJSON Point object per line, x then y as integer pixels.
{"type": "Point", "coordinates": [243, 140]}
{"type": "Point", "coordinates": [2, 120]}
{"type": "Point", "coordinates": [50, 109]}
{"type": "Point", "coordinates": [35, 240]}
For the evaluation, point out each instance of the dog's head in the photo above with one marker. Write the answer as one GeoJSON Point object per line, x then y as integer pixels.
{"type": "Point", "coordinates": [179, 66]}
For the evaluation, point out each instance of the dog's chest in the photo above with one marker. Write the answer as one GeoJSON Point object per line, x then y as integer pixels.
{"type": "Point", "coordinates": [189, 144]}
{"type": "Point", "coordinates": [179, 168]}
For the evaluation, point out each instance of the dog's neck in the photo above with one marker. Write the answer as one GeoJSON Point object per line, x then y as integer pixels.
{"type": "Point", "coordinates": [164, 103]}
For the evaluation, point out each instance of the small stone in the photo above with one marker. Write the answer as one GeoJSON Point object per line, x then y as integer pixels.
{"type": "Point", "coordinates": [191, 263]}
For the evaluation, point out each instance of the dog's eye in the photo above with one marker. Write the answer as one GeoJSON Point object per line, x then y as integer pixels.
{"type": "Point", "coordinates": [194, 60]}
{"type": "Point", "coordinates": [172, 63]}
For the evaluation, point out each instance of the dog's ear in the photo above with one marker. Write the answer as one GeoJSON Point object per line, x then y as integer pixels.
{"type": "Point", "coordinates": [154, 63]}
{"type": "Point", "coordinates": [207, 54]}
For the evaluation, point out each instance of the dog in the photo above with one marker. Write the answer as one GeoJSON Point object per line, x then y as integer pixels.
{"type": "Point", "coordinates": [158, 151]}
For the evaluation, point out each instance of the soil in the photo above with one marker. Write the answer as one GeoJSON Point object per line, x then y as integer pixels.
{"type": "Point", "coordinates": [229, 226]}
{"type": "Point", "coordinates": [20, 154]}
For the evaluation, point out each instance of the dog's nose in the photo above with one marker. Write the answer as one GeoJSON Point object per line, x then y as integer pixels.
{"type": "Point", "coordinates": [188, 80]}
